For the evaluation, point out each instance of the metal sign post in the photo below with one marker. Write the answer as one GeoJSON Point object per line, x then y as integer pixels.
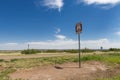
{"type": "Point", "coordinates": [78, 29]}
{"type": "Point", "coordinates": [79, 50]}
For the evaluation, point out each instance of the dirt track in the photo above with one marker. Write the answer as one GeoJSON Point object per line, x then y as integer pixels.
{"type": "Point", "coordinates": [67, 71]}
{"type": "Point", "coordinates": [9, 57]}
{"type": "Point", "coordinates": [19, 56]}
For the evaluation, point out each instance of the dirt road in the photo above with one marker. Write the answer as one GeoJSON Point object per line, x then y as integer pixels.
{"type": "Point", "coordinates": [9, 57]}
{"type": "Point", "coordinates": [19, 56]}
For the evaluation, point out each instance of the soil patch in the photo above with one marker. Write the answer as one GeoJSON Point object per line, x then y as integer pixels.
{"type": "Point", "coordinates": [67, 71]}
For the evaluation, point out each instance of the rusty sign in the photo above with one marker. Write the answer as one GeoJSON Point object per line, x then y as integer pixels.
{"type": "Point", "coordinates": [78, 28]}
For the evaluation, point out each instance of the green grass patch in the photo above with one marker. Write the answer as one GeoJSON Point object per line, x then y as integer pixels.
{"type": "Point", "coordinates": [32, 62]}
{"type": "Point", "coordinates": [4, 74]}
{"type": "Point", "coordinates": [112, 58]}
{"type": "Point", "coordinates": [114, 78]}
{"type": "Point", "coordinates": [92, 57]}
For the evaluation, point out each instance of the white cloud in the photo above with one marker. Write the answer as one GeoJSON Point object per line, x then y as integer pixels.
{"type": "Point", "coordinates": [70, 44]}
{"type": "Point", "coordinates": [11, 44]}
{"type": "Point", "coordinates": [61, 37]}
{"type": "Point", "coordinates": [113, 2]}
{"type": "Point", "coordinates": [73, 44]}
{"type": "Point", "coordinates": [55, 44]}
{"type": "Point", "coordinates": [53, 4]}
{"type": "Point", "coordinates": [96, 41]}
{"type": "Point", "coordinates": [103, 3]}
{"type": "Point", "coordinates": [118, 33]}
{"type": "Point", "coordinates": [95, 44]}
{"type": "Point", "coordinates": [58, 30]}
{"type": "Point", "coordinates": [62, 44]}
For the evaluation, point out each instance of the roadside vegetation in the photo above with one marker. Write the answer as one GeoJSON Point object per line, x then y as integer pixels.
{"type": "Point", "coordinates": [31, 51]}
{"type": "Point", "coordinates": [34, 51]}
{"type": "Point", "coordinates": [86, 50]}
{"type": "Point", "coordinates": [114, 78]}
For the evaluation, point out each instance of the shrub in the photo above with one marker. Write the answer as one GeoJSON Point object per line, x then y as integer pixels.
{"type": "Point", "coordinates": [29, 51]}
{"type": "Point", "coordinates": [51, 51]}
{"type": "Point", "coordinates": [87, 50]}
{"type": "Point", "coordinates": [114, 49]}
{"type": "Point", "coordinates": [1, 60]}
{"type": "Point", "coordinates": [71, 51]}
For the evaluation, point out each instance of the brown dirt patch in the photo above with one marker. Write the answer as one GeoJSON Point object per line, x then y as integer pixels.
{"type": "Point", "coordinates": [109, 73]}
{"type": "Point", "coordinates": [1, 69]}
{"type": "Point", "coordinates": [67, 71]}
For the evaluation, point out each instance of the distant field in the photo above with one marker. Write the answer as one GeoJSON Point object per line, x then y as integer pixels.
{"type": "Point", "coordinates": [10, 53]}
{"type": "Point", "coordinates": [18, 55]}
{"type": "Point", "coordinates": [39, 55]}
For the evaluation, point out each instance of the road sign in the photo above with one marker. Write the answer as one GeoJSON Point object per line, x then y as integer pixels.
{"type": "Point", "coordinates": [78, 28]}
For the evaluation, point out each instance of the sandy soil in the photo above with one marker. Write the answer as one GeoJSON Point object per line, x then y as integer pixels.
{"type": "Point", "coordinates": [67, 71]}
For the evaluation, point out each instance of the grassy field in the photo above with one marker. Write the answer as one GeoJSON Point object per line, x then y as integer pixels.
{"type": "Point", "coordinates": [114, 78]}
{"type": "Point", "coordinates": [7, 67]}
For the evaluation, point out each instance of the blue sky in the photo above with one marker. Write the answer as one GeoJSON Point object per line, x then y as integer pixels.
{"type": "Point", "coordinates": [50, 24]}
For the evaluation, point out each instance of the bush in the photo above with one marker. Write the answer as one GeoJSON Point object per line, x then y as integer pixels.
{"type": "Point", "coordinates": [29, 51]}
{"type": "Point", "coordinates": [51, 51]}
{"type": "Point", "coordinates": [114, 49]}
{"type": "Point", "coordinates": [1, 60]}
{"type": "Point", "coordinates": [71, 51]}
{"type": "Point", "coordinates": [87, 50]}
